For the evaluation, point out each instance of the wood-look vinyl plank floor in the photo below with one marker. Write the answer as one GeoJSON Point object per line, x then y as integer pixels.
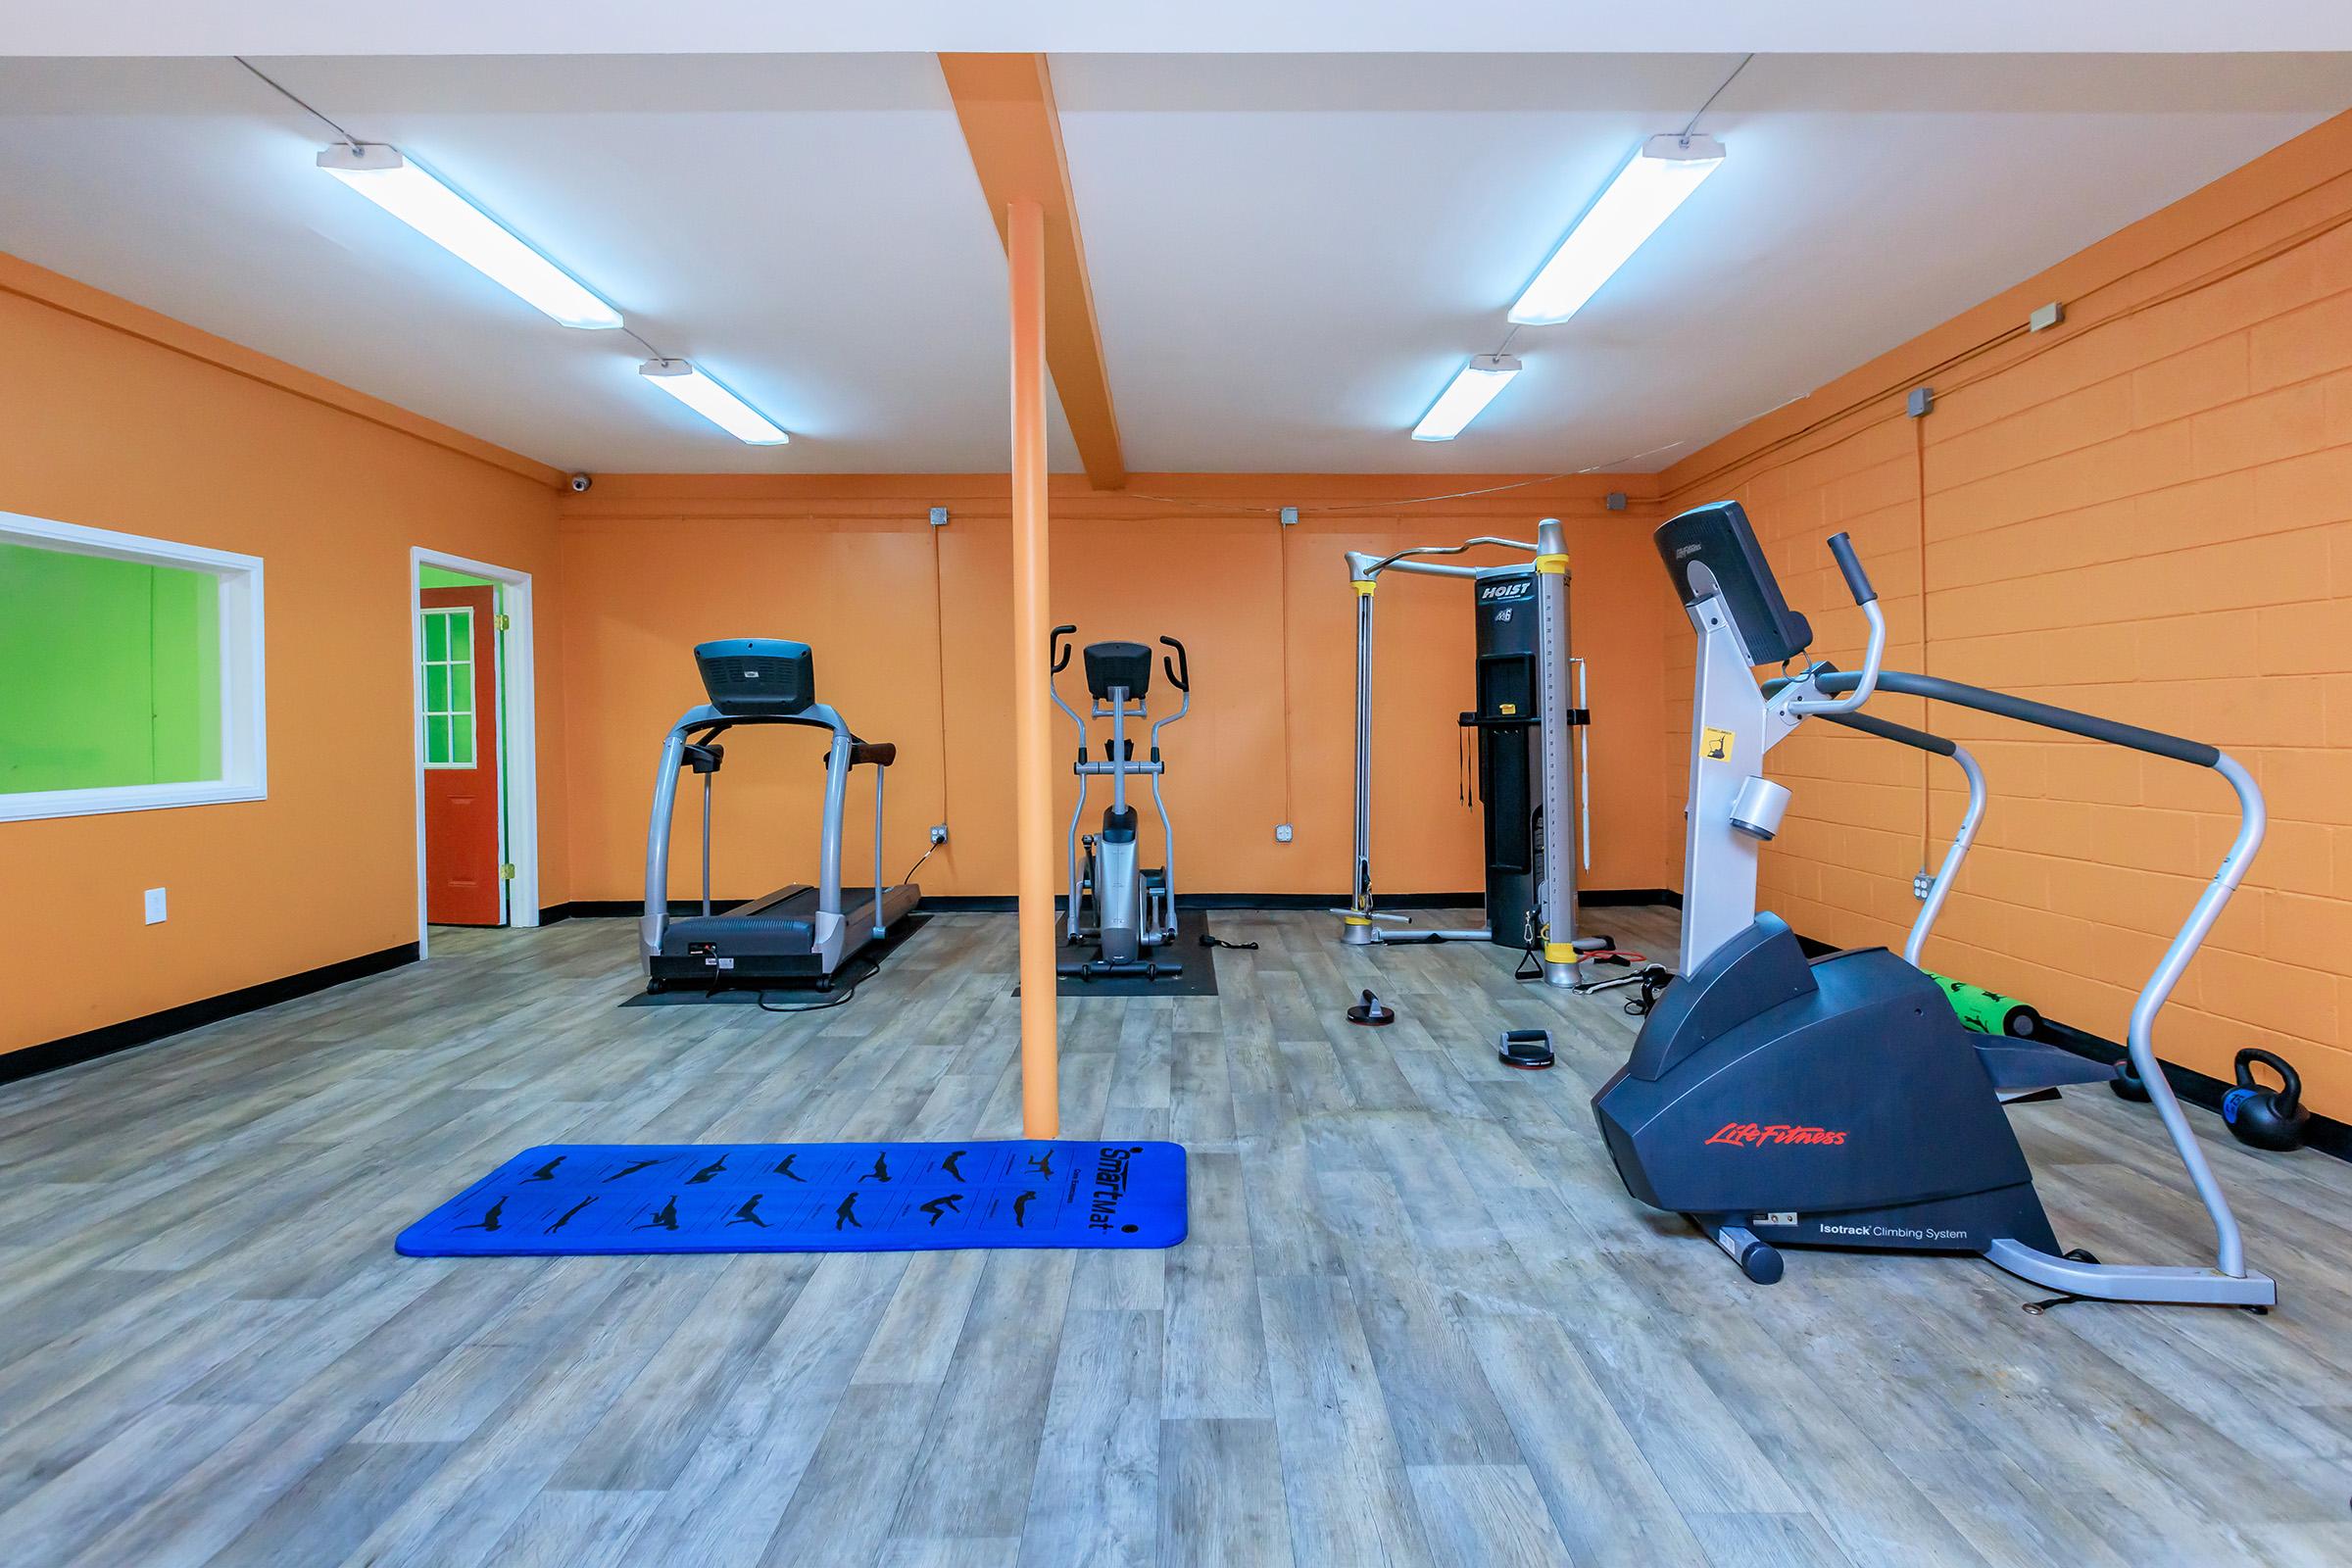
{"type": "Point", "coordinates": [1417, 1320]}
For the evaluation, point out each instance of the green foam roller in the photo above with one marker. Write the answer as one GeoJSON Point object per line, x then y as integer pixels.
{"type": "Point", "coordinates": [1987, 1012]}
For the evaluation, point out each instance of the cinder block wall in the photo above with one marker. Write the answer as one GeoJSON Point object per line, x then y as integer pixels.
{"type": "Point", "coordinates": [2145, 512]}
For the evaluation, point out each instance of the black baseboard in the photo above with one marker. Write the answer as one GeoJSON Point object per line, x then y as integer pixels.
{"type": "Point", "coordinates": [2326, 1135]}
{"type": "Point", "coordinates": [629, 909]}
{"type": "Point", "coordinates": [1003, 903]}
{"type": "Point", "coordinates": [92, 1044]}
{"type": "Point", "coordinates": [1627, 897]}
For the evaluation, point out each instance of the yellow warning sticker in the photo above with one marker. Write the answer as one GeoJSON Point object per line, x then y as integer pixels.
{"type": "Point", "coordinates": [1715, 745]}
{"type": "Point", "coordinates": [1509, 708]}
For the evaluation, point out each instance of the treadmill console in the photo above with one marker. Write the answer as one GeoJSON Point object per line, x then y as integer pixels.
{"type": "Point", "coordinates": [758, 677]}
{"type": "Point", "coordinates": [1711, 552]}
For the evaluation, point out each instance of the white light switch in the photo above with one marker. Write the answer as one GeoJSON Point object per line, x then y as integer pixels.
{"type": "Point", "coordinates": [155, 906]}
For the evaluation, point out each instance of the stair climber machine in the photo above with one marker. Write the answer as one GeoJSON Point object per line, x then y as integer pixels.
{"type": "Point", "coordinates": [796, 933]}
{"type": "Point", "coordinates": [1840, 1102]}
{"type": "Point", "coordinates": [1523, 723]}
{"type": "Point", "coordinates": [2022, 1069]}
{"type": "Point", "coordinates": [1124, 910]}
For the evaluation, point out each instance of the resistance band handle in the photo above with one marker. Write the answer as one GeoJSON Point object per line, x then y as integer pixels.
{"type": "Point", "coordinates": [2065, 719]}
{"type": "Point", "coordinates": [1857, 582]}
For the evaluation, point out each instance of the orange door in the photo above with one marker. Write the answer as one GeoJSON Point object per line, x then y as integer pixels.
{"type": "Point", "coordinates": [458, 635]}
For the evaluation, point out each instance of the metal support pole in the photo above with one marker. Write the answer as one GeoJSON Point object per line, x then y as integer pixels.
{"type": "Point", "coordinates": [880, 931]}
{"type": "Point", "coordinates": [1557, 895]}
{"type": "Point", "coordinates": [1032, 752]}
{"type": "Point", "coordinates": [1357, 928]}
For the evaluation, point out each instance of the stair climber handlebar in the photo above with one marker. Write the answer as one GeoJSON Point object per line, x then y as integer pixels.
{"type": "Point", "coordinates": [1857, 583]}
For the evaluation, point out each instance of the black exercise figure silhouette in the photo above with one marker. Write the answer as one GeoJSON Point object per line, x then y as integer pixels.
{"type": "Point", "coordinates": [568, 1215]}
{"type": "Point", "coordinates": [490, 1220]}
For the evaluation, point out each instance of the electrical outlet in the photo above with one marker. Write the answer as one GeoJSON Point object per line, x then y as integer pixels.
{"type": "Point", "coordinates": [938, 833]}
{"type": "Point", "coordinates": [1922, 883]}
{"type": "Point", "coordinates": [155, 906]}
{"type": "Point", "coordinates": [1282, 832]}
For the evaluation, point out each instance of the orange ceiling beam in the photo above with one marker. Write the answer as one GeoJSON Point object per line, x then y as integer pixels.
{"type": "Point", "coordinates": [1005, 103]}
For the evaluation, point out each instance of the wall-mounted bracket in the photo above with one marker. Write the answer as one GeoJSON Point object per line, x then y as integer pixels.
{"type": "Point", "coordinates": [939, 516]}
{"type": "Point", "coordinates": [1921, 403]}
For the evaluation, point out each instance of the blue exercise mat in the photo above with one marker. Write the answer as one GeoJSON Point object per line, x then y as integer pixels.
{"type": "Point", "coordinates": [561, 1200]}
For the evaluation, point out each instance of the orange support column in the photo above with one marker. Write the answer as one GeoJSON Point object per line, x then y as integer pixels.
{"type": "Point", "coordinates": [1032, 748]}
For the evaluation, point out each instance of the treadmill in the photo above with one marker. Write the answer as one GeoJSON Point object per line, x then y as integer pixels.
{"type": "Point", "coordinates": [796, 933]}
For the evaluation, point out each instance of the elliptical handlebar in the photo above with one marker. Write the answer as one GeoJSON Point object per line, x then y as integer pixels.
{"type": "Point", "coordinates": [1179, 668]}
{"type": "Point", "coordinates": [1058, 660]}
{"type": "Point", "coordinates": [1857, 583]}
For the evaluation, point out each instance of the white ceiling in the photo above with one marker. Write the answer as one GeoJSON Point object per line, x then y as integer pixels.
{"type": "Point", "coordinates": [1290, 254]}
{"type": "Point", "coordinates": [765, 27]}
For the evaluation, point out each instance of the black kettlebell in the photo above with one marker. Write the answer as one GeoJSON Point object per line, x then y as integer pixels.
{"type": "Point", "coordinates": [2266, 1118]}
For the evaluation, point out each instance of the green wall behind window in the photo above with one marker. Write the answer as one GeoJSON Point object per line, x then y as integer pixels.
{"type": "Point", "coordinates": [110, 672]}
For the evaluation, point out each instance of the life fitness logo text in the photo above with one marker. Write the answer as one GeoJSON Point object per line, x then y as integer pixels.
{"type": "Point", "coordinates": [1755, 1135]}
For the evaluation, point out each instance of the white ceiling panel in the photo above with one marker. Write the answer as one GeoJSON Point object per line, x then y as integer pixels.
{"type": "Point", "coordinates": [808, 228]}
{"type": "Point", "coordinates": [765, 27]}
{"type": "Point", "coordinates": [1293, 256]}
{"type": "Point", "coordinates": [1289, 254]}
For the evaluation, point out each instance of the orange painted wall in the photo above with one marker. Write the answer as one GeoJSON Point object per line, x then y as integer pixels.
{"type": "Point", "coordinates": [137, 423]}
{"type": "Point", "coordinates": [911, 625]}
{"type": "Point", "coordinates": [2145, 512]}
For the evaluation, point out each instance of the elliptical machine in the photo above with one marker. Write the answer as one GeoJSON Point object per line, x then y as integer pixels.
{"type": "Point", "coordinates": [1840, 1103]}
{"type": "Point", "coordinates": [1127, 910]}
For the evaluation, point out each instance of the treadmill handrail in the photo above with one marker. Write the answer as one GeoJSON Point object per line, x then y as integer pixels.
{"type": "Point", "coordinates": [653, 924]}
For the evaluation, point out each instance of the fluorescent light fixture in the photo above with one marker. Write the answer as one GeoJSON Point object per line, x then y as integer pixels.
{"type": "Point", "coordinates": [415, 197]}
{"type": "Point", "coordinates": [705, 397]}
{"type": "Point", "coordinates": [1658, 179]}
{"type": "Point", "coordinates": [1466, 396]}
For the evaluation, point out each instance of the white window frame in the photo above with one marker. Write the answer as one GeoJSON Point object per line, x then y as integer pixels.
{"type": "Point", "coordinates": [473, 636]}
{"type": "Point", "coordinates": [244, 697]}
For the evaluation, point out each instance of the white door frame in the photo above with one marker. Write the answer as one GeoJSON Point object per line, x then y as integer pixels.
{"type": "Point", "coordinates": [519, 735]}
